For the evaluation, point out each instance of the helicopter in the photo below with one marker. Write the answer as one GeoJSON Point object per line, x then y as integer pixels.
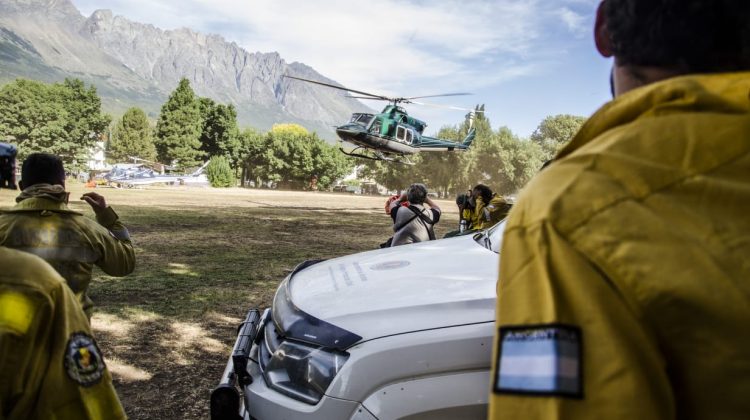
{"type": "Point", "coordinates": [392, 134]}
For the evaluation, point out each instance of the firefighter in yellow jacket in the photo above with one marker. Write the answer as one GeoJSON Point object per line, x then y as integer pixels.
{"type": "Point", "coordinates": [41, 223]}
{"type": "Point", "coordinates": [625, 282]}
{"type": "Point", "coordinates": [50, 365]}
{"type": "Point", "coordinates": [489, 208]}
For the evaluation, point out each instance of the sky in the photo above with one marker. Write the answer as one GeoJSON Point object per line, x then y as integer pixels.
{"type": "Point", "coordinates": [523, 59]}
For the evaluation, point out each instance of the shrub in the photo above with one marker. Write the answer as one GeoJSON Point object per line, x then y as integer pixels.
{"type": "Point", "coordinates": [219, 173]}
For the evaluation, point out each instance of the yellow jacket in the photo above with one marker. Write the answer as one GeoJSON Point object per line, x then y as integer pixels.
{"type": "Point", "coordinates": [50, 366]}
{"type": "Point", "coordinates": [487, 215]}
{"type": "Point", "coordinates": [70, 242]}
{"type": "Point", "coordinates": [624, 287]}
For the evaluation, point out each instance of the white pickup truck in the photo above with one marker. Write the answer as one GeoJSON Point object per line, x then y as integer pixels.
{"type": "Point", "coordinates": [402, 332]}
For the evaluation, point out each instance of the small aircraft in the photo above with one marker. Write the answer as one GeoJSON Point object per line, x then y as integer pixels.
{"type": "Point", "coordinates": [138, 175]}
{"type": "Point", "coordinates": [392, 134]}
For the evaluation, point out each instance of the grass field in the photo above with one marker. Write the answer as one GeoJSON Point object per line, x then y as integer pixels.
{"type": "Point", "coordinates": [204, 257]}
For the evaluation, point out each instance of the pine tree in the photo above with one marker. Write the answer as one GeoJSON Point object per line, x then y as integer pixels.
{"type": "Point", "coordinates": [131, 138]}
{"type": "Point", "coordinates": [179, 128]}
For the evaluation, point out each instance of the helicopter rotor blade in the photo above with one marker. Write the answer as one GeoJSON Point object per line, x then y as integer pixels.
{"type": "Point", "coordinates": [370, 95]}
{"type": "Point", "coordinates": [438, 96]}
{"type": "Point", "coordinates": [365, 97]}
{"type": "Point", "coordinates": [457, 108]}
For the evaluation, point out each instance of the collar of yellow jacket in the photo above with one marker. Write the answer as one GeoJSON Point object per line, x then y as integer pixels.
{"type": "Point", "coordinates": [725, 92]}
{"type": "Point", "coordinates": [42, 197]}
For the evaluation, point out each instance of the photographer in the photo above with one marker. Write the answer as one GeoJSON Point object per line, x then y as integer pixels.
{"type": "Point", "coordinates": [414, 223]}
{"type": "Point", "coordinates": [489, 208]}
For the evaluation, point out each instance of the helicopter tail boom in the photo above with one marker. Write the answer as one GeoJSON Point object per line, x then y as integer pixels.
{"type": "Point", "coordinates": [469, 138]}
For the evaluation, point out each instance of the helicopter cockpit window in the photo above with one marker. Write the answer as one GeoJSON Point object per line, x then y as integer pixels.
{"type": "Point", "coordinates": [409, 136]}
{"type": "Point", "coordinates": [362, 119]}
{"type": "Point", "coordinates": [375, 127]}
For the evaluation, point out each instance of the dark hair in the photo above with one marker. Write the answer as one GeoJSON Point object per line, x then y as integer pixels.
{"type": "Point", "coordinates": [691, 36]}
{"type": "Point", "coordinates": [485, 192]}
{"type": "Point", "coordinates": [416, 194]}
{"type": "Point", "coordinates": [42, 168]}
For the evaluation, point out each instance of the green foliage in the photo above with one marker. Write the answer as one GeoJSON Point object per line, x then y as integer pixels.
{"type": "Point", "coordinates": [288, 155]}
{"type": "Point", "coordinates": [131, 137]}
{"type": "Point", "coordinates": [220, 135]}
{"type": "Point", "coordinates": [555, 131]}
{"type": "Point", "coordinates": [178, 130]}
{"type": "Point", "coordinates": [219, 173]}
{"type": "Point", "coordinates": [62, 118]}
{"type": "Point", "coordinates": [499, 159]}
{"type": "Point", "coordinates": [502, 161]}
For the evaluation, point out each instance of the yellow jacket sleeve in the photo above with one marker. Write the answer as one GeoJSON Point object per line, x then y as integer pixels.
{"type": "Point", "coordinates": [116, 248]}
{"type": "Point", "coordinates": [569, 344]}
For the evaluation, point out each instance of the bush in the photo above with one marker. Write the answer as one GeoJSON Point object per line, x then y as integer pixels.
{"type": "Point", "coordinates": [219, 173]}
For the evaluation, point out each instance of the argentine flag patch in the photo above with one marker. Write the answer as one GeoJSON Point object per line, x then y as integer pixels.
{"type": "Point", "coordinates": [540, 360]}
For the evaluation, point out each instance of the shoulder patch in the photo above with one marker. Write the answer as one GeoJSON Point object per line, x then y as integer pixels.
{"type": "Point", "coordinates": [83, 360]}
{"type": "Point", "coordinates": [541, 360]}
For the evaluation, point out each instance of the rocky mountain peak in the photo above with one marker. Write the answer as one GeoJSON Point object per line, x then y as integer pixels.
{"type": "Point", "coordinates": [130, 60]}
{"type": "Point", "coordinates": [55, 9]}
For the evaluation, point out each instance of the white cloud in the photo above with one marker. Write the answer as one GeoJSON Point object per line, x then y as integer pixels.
{"type": "Point", "coordinates": [576, 23]}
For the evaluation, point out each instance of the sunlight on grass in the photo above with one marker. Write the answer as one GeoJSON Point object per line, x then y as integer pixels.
{"type": "Point", "coordinates": [187, 339]}
{"type": "Point", "coordinates": [112, 324]}
{"type": "Point", "coordinates": [126, 372]}
{"type": "Point", "coordinates": [181, 269]}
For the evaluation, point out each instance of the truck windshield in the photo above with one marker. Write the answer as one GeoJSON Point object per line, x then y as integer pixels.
{"type": "Point", "coordinates": [491, 238]}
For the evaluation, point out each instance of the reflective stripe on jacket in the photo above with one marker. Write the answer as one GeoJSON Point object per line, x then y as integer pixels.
{"type": "Point", "coordinates": [625, 279]}
{"type": "Point", "coordinates": [70, 242]}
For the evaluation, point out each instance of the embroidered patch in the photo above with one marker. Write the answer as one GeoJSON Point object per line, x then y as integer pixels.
{"type": "Point", "coordinates": [83, 360]}
{"type": "Point", "coordinates": [540, 360]}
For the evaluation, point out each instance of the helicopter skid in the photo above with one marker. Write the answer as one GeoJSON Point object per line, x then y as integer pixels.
{"type": "Point", "coordinates": [375, 155]}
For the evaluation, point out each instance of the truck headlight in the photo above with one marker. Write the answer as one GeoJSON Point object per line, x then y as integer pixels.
{"type": "Point", "coordinates": [300, 354]}
{"type": "Point", "coordinates": [298, 370]}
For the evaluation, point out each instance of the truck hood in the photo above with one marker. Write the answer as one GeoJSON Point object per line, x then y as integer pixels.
{"type": "Point", "coordinates": [397, 290]}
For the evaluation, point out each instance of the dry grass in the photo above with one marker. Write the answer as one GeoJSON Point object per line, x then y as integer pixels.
{"type": "Point", "coordinates": [204, 257]}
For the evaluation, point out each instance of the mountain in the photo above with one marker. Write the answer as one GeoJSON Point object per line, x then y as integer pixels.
{"type": "Point", "coordinates": [134, 64]}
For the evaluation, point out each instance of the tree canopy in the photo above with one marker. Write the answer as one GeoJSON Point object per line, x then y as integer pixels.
{"type": "Point", "coordinates": [179, 128]}
{"type": "Point", "coordinates": [555, 131]}
{"type": "Point", "coordinates": [289, 156]}
{"type": "Point", "coordinates": [131, 137]}
{"type": "Point", "coordinates": [64, 119]}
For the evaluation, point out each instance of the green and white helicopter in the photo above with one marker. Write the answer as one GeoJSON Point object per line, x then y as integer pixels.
{"type": "Point", "coordinates": [393, 134]}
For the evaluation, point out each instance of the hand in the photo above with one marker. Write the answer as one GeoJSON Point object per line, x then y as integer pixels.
{"type": "Point", "coordinates": [95, 200]}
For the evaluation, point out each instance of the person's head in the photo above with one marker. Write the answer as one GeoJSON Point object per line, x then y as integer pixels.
{"type": "Point", "coordinates": [416, 194]}
{"type": "Point", "coordinates": [8, 166]}
{"type": "Point", "coordinates": [652, 40]}
{"type": "Point", "coordinates": [42, 168]}
{"type": "Point", "coordinates": [483, 191]}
